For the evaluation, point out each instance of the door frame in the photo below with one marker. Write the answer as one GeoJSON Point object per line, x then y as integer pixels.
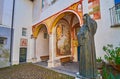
{"type": "Point", "coordinates": [25, 54]}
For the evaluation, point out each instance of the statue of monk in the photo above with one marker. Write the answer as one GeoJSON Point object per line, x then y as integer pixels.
{"type": "Point", "coordinates": [87, 63]}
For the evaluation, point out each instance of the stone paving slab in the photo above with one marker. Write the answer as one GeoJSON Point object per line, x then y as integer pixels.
{"type": "Point", "coordinates": [68, 68]}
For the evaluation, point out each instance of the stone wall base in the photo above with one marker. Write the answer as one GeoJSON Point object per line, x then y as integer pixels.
{"type": "Point", "coordinates": [34, 60]}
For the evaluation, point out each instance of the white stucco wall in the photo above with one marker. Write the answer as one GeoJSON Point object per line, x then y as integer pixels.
{"type": "Point", "coordinates": [7, 13]}
{"type": "Point", "coordinates": [37, 9]}
{"type": "Point", "coordinates": [1, 10]}
{"type": "Point", "coordinates": [22, 18]}
{"type": "Point", "coordinates": [105, 34]}
{"type": "Point", "coordinates": [42, 46]}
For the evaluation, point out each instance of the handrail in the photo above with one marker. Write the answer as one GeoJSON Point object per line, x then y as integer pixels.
{"type": "Point", "coordinates": [115, 15]}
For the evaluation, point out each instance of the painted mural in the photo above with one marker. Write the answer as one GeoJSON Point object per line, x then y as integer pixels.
{"type": "Point", "coordinates": [63, 40]}
{"type": "Point", "coordinates": [4, 46]}
{"type": "Point", "coordinates": [94, 9]}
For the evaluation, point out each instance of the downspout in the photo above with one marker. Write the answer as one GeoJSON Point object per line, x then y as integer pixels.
{"type": "Point", "coordinates": [12, 31]}
{"type": "Point", "coordinates": [35, 48]}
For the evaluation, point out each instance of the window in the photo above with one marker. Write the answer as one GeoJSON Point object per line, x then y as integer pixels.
{"type": "Point", "coordinates": [115, 14]}
{"type": "Point", "coordinates": [117, 1]}
{"type": "Point", "coordinates": [24, 31]}
{"type": "Point", "coordinates": [117, 8]}
{"type": "Point", "coordinates": [45, 35]}
{"type": "Point", "coordinates": [42, 3]}
{"type": "Point", "coordinates": [3, 40]}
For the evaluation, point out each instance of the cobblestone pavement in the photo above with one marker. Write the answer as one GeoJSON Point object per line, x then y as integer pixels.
{"type": "Point", "coordinates": [30, 71]}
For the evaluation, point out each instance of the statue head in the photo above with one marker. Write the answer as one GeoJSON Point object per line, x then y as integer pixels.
{"type": "Point", "coordinates": [86, 17]}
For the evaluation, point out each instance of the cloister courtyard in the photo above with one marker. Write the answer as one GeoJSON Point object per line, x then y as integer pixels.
{"type": "Point", "coordinates": [52, 39]}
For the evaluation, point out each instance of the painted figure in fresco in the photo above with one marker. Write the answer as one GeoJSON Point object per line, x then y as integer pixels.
{"type": "Point", "coordinates": [87, 65]}
{"type": "Point", "coordinates": [63, 40]}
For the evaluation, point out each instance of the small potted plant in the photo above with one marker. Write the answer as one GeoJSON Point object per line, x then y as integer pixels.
{"type": "Point", "coordinates": [99, 63]}
{"type": "Point", "coordinates": [117, 58]}
{"type": "Point", "coordinates": [112, 55]}
{"type": "Point", "coordinates": [109, 53]}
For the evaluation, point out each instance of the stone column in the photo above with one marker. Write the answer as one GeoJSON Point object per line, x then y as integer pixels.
{"type": "Point", "coordinates": [52, 51]}
{"type": "Point", "coordinates": [34, 57]}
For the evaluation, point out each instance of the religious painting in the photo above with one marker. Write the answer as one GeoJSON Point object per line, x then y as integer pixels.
{"type": "Point", "coordinates": [4, 46]}
{"type": "Point", "coordinates": [23, 42]}
{"type": "Point", "coordinates": [63, 40]}
{"type": "Point", "coordinates": [94, 9]}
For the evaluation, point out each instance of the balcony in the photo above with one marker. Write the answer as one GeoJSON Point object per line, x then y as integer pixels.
{"type": "Point", "coordinates": [115, 15]}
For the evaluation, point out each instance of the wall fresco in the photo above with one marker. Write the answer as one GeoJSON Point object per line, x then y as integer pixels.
{"type": "Point", "coordinates": [63, 40]}
{"type": "Point", "coordinates": [94, 9]}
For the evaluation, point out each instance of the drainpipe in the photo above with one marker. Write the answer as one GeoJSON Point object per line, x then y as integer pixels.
{"type": "Point", "coordinates": [35, 48]}
{"type": "Point", "coordinates": [11, 36]}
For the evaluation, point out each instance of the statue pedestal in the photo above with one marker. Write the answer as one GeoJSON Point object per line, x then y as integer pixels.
{"type": "Point", "coordinates": [80, 77]}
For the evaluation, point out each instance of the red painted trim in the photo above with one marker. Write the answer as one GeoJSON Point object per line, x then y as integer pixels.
{"type": "Point", "coordinates": [71, 21]}
{"type": "Point", "coordinates": [56, 13]}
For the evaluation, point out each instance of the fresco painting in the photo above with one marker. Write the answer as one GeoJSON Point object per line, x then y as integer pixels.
{"type": "Point", "coordinates": [4, 46]}
{"type": "Point", "coordinates": [63, 40]}
{"type": "Point", "coordinates": [94, 9]}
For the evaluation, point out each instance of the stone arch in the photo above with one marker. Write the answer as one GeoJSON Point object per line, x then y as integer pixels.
{"type": "Point", "coordinates": [38, 27]}
{"type": "Point", "coordinates": [62, 14]}
{"type": "Point", "coordinates": [42, 42]}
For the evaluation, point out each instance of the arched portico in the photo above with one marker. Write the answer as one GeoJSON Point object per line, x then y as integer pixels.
{"type": "Point", "coordinates": [64, 37]}
{"type": "Point", "coordinates": [62, 44]}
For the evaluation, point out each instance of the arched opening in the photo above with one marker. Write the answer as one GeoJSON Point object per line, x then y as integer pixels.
{"type": "Point", "coordinates": [65, 28]}
{"type": "Point", "coordinates": [42, 44]}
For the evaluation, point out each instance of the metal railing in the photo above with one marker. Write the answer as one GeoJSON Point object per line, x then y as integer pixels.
{"type": "Point", "coordinates": [115, 15]}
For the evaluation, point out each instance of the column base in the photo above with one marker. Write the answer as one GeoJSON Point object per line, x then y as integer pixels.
{"type": "Point", "coordinates": [50, 64]}
{"type": "Point", "coordinates": [29, 60]}
{"type": "Point", "coordinates": [34, 60]}
{"type": "Point", "coordinates": [14, 62]}
{"type": "Point", "coordinates": [54, 63]}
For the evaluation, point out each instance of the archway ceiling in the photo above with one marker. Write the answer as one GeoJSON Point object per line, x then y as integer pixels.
{"type": "Point", "coordinates": [71, 19]}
